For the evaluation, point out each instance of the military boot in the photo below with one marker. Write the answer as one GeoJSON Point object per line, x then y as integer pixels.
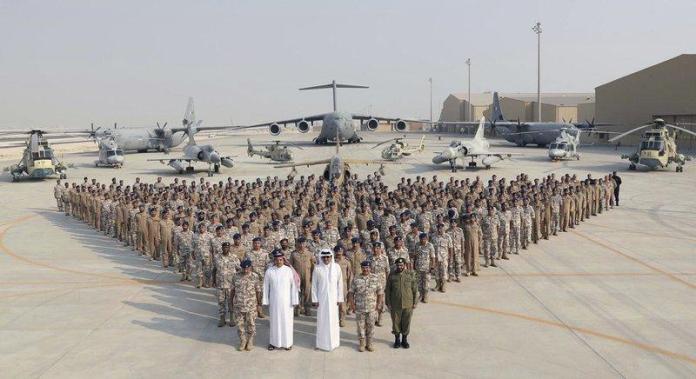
{"type": "Point", "coordinates": [361, 348]}
{"type": "Point", "coordinates": [250, 343]}
{"type": "Point", "coordinates": [222, 322]}
{"type": "Point", "coordinates": [404, 342]}
{"type": "Point", "coordinates": [369, 346]}
{"type": "Point", "coordinates": [397, 341]}
{"type": "Point", "coordinates": [242, 343]}
{"type": "Point", "coordinates": [379, 320]}
{"type": "Point", "coordinates": [296, 311]}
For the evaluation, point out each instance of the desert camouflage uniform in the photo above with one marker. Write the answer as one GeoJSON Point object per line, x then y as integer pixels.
{"type": "Point", "coordinates": [184, 248]}
{"type": "Point", "coordinates": [365, 290]}
{"type": "Point", "coordinates": [259, 262]}
{"type": "Point", "coordinates": [504, 219]}
{"type": "Point", "coordinates": [245, 290]}
{"type": "Point", "coordinates": [489, 227]}
{"type": "Point", "coordinates": [202, 258]}
{"type": "Point", "coordinates": [227, 267]}
{"type": "Point", "coordinates": [457, 261]}
{"type": "Point", "coordinates": [527, 223]}
{"type": "Point", "coordinates": [516, 229]}
{"type": "Point", "coordinates": [556, 203]}
{"type": "Point", "coordinates": [423, 255]}
{"type": "Point", "coordinates": [443, 244]}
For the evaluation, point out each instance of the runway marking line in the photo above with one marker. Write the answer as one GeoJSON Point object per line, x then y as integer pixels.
{"type": "Point", "coordinates": [625, 341]}
{"type": "Point", "coordinates": [634, 259]}
{"type": "Point", "coordinates": [5, 227]}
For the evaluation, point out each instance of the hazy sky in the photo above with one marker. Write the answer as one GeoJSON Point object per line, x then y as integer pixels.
{"type": "Point", "coordinates": [69, 63]}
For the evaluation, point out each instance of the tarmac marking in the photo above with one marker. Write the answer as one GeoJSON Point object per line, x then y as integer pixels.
{"type": "Point", "coordinates": [5, 227]}
{"type": "Point", "coordinates": [634, 259]}
{"type": "Point", "coordinates": [640, 345]}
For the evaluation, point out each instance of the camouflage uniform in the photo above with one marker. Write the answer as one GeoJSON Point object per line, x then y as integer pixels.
{"type": "Point", "coordinates": [556, 203]}
{"type": "Point", "coordinates": [457, 235]}
{"type": "Point", "coordinates": [184, 248]}
{"type": "Point", "coordinates": [424, 254]}
{"type": "Point", "coordinates": [331, 236]}
{"type": "Point", "coordinates": [365, 290]}
{"type": "Point", "coordinates": [380, 267]}
{"type": "Point", "coordinates": [245, 290]}
{"type": "Point", "coordinates": [395, 254]}
{"type": "Point", "coordinates": [504, 219]}
{"type": "Point", "coordinates": [527, 223]}
{"type": "Point", "coordinates": [259, 262]}
{"type": "Point", "coordinates": [489, 227]}
{"type": "Point", "coordinates": [227, 267]}
{"type": "Point", "coordinates": [516, 229]}
{"type": "Point", "coordinates": [443, 244]}
{"type": "Point", "coordinates": [202, 258]}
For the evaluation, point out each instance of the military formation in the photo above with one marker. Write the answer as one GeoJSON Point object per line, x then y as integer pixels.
{"type": "Point", "coordinates": [394, 245]}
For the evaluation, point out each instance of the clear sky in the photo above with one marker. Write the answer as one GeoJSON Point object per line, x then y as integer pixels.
{"type": "Point", "coordinates": [69, 63]}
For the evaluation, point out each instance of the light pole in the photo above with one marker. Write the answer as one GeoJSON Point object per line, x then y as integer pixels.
{"type": "Point", "coordinates": [537, 29]}
{"type": "Point", "coordinates": [468, 97]}
{"type": "Point", "coordinates": [431, 101]}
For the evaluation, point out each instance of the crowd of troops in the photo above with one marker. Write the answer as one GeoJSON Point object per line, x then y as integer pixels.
{"type": "Point", "coordinates": [222, 234]}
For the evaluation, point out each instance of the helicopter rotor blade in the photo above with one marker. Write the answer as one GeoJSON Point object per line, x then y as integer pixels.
{"type": "Point", "coordinates": [631, 131]}
{"type": "Point", "coordinates": [682, 129]}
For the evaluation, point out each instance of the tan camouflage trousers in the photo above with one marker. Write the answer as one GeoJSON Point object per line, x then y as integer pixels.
{"type": "Point", "coordinates": [555, 222]}
{"type": "Point", "coordinates": [441, 272]}
{"type": "Point", "coordinates": [456, 264]}
{"type": "Point", "coordinates": [166, 251]}
{"type": "Point", "coordinates": [224, 298]}
{"type": "Point", "coordinates": [490, 247]}
{"type": "Point", "coordinates": [423, 284]}
{"type": "Point", "coordinates": [515, 239]}
{"type": "Point", "coordinates": [246, 323]}
{"type": "Point", "coordinates": [366, 323]}
{"type": "Point", "coordinates": [503, 244]}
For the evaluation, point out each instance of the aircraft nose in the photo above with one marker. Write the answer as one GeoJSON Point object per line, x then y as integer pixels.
{"type": "Point", "coordinates": [449, 154]}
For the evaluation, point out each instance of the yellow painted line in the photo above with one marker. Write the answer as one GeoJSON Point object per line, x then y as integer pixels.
{"type": "Point", "coordinates": [32, 262]}
{"type": "Point", "coordinates": [636, 260]}
{"type": "Point", "coordinates": [625, 341]}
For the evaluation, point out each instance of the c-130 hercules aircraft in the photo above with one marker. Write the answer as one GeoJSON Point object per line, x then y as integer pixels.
{"type": "Point", "coordinates": [336, 126]}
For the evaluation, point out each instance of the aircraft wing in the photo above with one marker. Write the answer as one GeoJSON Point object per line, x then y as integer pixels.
{"type": "Point", "coordinates": [167, 159]}
{"type": "Point", "coordinates": [308, 163]}
{"type": "Point", "coordinates": [363, 117]}
{"type": "Point", "coordinates": [494, 154]}
{"type": "Point", "coordinates": [318, 117]}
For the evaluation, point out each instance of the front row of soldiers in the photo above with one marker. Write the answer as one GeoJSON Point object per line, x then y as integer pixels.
{"type": "Point", "coordinates": [382, 243]}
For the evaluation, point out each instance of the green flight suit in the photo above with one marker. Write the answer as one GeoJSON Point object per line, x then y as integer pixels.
{"type": "Point", "coordinates": [400, 295]}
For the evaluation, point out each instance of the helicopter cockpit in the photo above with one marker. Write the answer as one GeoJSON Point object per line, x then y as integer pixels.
{"type": "Point", "coordinates": [42, 154]}
{"type": "Point", "coordinates": [558, 146]}
{"type": "Point", "coordinates": [116, 152]}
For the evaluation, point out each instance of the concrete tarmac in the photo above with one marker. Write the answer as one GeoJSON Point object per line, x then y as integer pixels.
{"type": "Point", "coordinates": [612, 298]}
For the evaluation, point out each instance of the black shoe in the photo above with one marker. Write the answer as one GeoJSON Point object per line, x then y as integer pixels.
{"type": "Point", "coordinates": [404, 343]}
{"type": "Point", "coordinates": [397, 341]}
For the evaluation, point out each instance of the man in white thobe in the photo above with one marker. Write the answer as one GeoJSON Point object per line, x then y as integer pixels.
{"type": "Point", "coordinates": [280, 294]}
{"type": "Point", "coordinates": [327, 293]}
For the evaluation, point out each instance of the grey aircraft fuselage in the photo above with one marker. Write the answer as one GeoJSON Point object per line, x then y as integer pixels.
{"type": "Point", "coordinates": [338, 125]}
{"type": "Point", "coordinates": [531, 133]}
{"type": "Point", "coordinates": [144, 139]}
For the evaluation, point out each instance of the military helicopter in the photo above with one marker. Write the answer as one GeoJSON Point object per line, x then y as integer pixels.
{"type": "Point", "coordinates": [275, 152]}
{"type": "Point", "coordinates": [110, 155]}
{"type": "Point", "coordinates": [38, 160]}
{"type": "Point", "coordinates": [565, 146]}
{"type": "Point", "coordinates": [657, 148]}
{"type": "Point", "coordinates": [400, 148]}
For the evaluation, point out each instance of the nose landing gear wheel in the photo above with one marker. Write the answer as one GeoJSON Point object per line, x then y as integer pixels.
{"type": "Point", "coordinates": [632, 167]}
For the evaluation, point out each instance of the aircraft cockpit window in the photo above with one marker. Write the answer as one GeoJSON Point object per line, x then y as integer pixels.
{"type": "Point", "coordinates": [553, 146]}
{"type": "Point", "coordinates": [110, 153]}
{"type": "Point", "coordinates": [652, 145]}
{"type": "Point", "coordinates": [119, 152]}
{"type": "Point", "coordinates": [454, 144]}
{"type": "Point", "coordinates": [562, 146]}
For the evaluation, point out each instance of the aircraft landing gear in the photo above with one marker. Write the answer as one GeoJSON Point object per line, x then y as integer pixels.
{"type": "Point", "coordinates": [472, 164]}
{"type": "Point", "coordinates": [680, 168]}
{"type": "Point", "coordinates": [354, 140]}
{"type": "Point", "coordinates": [453, 165]}
{"type": "Point", "coordinates": [216, 168]}
{"type": "Point", "coordinates": [632, 167]}
{"type": "Point", "coordinates": [320, 141]}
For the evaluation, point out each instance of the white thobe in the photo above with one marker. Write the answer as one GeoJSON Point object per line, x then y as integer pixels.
{"type": "Point", "coordinates": [280, 294]}
{"type": "Point", "coordinates": [327, 290]}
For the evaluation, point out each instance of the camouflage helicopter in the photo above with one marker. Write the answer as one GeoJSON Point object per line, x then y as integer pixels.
{"type": "Point", "coordinates": [657, 148]}
{"type": "Point", "coordinates": [400, 148]}
{"type": "Point", "coordinates": [275, 152]}
{"type": "Point", "coordinates": [38, 160]}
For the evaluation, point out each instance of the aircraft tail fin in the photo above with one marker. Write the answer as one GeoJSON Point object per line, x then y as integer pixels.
{"type": "Point", "coordinates": [190, 122]}
{"type": "Point", "coordinates": [422, 144]}
{"type": "Point", "coordinates": [479, 130]}
{"type": "Point", "coordinates": [497, 112]}
{"type": "Point", "coordinates": [333, 85]}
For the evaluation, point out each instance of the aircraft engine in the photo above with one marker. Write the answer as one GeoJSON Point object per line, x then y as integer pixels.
{"type": "Point", "coordinates": [274, 129]}
{"type": "Point", "coordinates": [400, 125]}
{"type": "Point", "coordinates": [372, 124]}
{"type": "Point", "coordinates": [176, 165]}
{"type": "Point", "coordinates": [227, 162]}
{"type": "Point", "coordinates": [487, 161]}
{"type": "Point", "coordinates": [303, 126]}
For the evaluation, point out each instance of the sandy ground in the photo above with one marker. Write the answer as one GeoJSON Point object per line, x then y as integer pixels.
{"type": "Point", "coordinates": [614, 298]}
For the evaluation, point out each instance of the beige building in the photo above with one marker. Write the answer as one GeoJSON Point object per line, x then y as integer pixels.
{"type": "Point", "coordinates": [666, 90]}
{"type": "Point", "coordinates": [557, 107]}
